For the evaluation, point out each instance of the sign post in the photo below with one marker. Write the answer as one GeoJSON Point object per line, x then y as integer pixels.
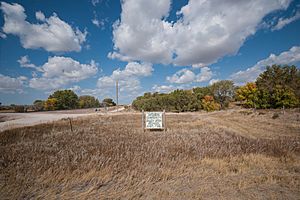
{"type": "Point", "coordinates": [154, 121]}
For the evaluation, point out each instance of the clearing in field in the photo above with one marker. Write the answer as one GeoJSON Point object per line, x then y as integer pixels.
{"type": "Point", "coordinates": [237, 154]}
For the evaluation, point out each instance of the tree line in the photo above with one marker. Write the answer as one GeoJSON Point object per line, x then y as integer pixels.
{"type": "Point", "coordinates": [214, 97]}
{"type": "Point", "coordinates": [68, 99]}
{"type": "Point", "coordinates": [61, 100]}
{"type": "Point", "coordinates": [277, 87]}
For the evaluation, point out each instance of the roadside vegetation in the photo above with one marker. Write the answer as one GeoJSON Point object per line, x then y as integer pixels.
{"type": "Point", "coordinates": [61, 100]}
{"type": "Point", "coordinates": [66, 100]}
{"type": "Point", "coordinates": [276, 87]}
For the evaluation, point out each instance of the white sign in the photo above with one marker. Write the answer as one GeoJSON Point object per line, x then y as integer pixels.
{"type": "Point", "coordinates": [154, 120]}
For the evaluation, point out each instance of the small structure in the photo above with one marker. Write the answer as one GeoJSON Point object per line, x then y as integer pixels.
{"type": "Point", "coordinates": [154, 121]}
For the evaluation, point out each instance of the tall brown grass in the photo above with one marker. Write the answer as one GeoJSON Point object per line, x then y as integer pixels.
{"type": "Point", "coordinates": [111, 157]}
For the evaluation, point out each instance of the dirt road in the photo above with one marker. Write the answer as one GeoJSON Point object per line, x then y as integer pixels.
{"type": "Point", "coordinates": [16, 120]}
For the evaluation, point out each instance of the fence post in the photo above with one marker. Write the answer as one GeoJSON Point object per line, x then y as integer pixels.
{"type": "Point", "coordinates": [71, 124]}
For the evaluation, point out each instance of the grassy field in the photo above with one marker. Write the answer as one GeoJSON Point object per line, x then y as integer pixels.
{"type": "Point", "coordinates": [238, 154]}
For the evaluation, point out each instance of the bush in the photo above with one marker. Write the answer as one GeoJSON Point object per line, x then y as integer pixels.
{"type": "Point", "coordinates": [209, 104]}
{"type": "Point", "coordinates": [275, 116]}
{"type": "Point", "coordinates": [38, 105]}
{"type": "Point", "coordinates": [88, 102]}
{"type": "Point", "coordinates": [20, 109]}
{"type": "Point", "coordinates": [108, 102]}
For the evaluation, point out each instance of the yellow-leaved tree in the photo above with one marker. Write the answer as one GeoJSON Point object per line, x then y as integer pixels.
{"type": "Point", "coordinates": [51, 104]}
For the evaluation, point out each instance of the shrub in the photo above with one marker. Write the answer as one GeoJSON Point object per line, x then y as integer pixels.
{"type": "Point", "coordinates": [108, 102]}
{"type": "Point", "coordinates": [88, 102]}
{"type": "Point", "coordinates": [38, 105]}
{"type": "Point", "coordinates": [19, 109]}
{"type": "Point", "coordinates": [209, 104]}
{"type": "Point", "coordinates": [275, 116]}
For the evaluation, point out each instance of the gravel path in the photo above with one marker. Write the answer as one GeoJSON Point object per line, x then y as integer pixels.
{"type": "Point", "coordinates": [16, 120]}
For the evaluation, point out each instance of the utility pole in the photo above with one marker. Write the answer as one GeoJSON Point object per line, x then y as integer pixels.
{"type": "Point", "coordinates": [117, 92]}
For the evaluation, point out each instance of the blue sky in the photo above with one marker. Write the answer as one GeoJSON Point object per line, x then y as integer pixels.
{"type": "Point", "coordinates": [146, 45]}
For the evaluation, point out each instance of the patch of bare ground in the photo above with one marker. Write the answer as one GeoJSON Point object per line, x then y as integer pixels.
{"type": "Point", "coordinates": [201, 156]}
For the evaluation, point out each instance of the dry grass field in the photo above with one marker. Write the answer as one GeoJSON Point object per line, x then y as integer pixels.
{"type": "Point", "coordinates": [238, 154]}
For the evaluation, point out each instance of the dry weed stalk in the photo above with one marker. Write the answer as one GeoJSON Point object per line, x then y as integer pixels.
{"type": "Point", "coordinates": [111, 157]}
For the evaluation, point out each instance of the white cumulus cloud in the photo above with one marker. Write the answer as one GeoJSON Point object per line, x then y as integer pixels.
{"type": "Point", "coordinates": [61, 71]}
{"type": "Point", "coordinates": [163, 88]}
{"type": "Point", "coordinates": [212, 81]}
{"type": "Point", "coordinates": [129, 78]}
{"type": "Point", "coordinates": [204, 75]}
{"type": "Point", "coordinates": [188, 76]}
{"type": "Point", "coordinates": [12, 85]}
{"type": "Point", "coordinates": [52, 34]}
{"type": "Point", "coordinates": [40, 16]}
{"type": "Point", "coordinates": [205, 31]}
{"type": "Point", "coordinates": [182, 76]}
{"type": "Point", "coordinates": [291, 56]}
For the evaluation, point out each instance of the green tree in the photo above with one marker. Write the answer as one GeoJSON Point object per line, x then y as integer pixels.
{"type": "Point", "coordinates": [88, 102]}
{"type": "Point", "coordinates": [223, 92]}
{"type": "Point", "coordinates": [66, 99]}
{"type": "Point", "coordinates": [201, 92]}
{"type": "Point", "coordinates": [108, 102]}
{"type": "Point", "coordinates": [176, 101]}
{"type": "Point", "coordinates": [277, 75]}
{"type": "Point", "coordinates": [185, 100]}
{"type": "Point", "coordinates": [284, 98]}
{"type": "Point", "coordinates": [281, 84]}
{"type": "Point", "coordinates": [38, 105]}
